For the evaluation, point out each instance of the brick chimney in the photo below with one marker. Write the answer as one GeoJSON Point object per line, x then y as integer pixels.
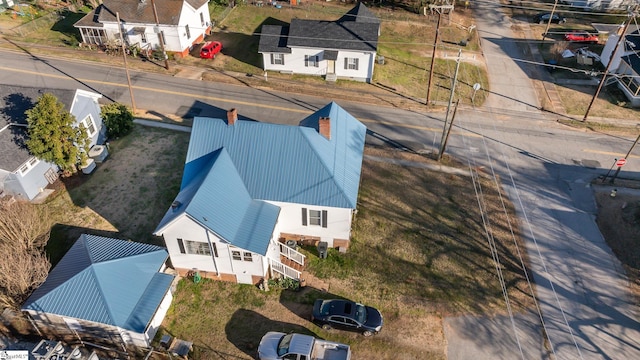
{"type": "Point", "coordinates": [324, 127]}
{"type": "Point", "coordinates": [232, 116]}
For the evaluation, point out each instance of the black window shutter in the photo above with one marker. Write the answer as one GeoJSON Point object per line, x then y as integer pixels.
{"type": "Point", "coordinates": [317, 60]}
{"type": "Point", "coordinates": [304, 216]}
{"type": "Point", "coordinates": [181, 246]}
{"type": "Point", "coordinates": [215, 249]}
{"type": "Point", "coordinates": [324, 218]}
{"type": "Point", "coordinates": [357, 60]}
{"type": "Point", "coordinates": [306, 60]}
{"type": "Point", "coordinates": [346, 63]}
{"type": "Point", "coordinates": [282, 59]}
{"type": "Point", "coordinates": [271, 59]}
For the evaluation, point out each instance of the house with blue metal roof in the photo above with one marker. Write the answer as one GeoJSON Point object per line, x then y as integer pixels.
{"type": "Point", "coordinates": [249, 188]}
{"type": "Point", "coordinates": [341, 49]}
{"type": "Point", "coordinates": [107, 289]}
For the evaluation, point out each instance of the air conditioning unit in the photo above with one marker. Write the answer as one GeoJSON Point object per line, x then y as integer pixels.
{"type": "Point", "coordinates": [98, 153]}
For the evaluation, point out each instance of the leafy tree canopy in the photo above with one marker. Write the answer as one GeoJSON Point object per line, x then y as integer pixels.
{"type": "Point", "coordinates": [53, 136]}
{"type": "Point", "coordinates": [118, 119]}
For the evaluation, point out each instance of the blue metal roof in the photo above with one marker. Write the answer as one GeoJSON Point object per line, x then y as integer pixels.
{"type": "Point", "coordinates": [105, 280]}
{"type": "Point", "coordinates": [288, 163]}
{"type": "Point", "coordinates": [216, 198]}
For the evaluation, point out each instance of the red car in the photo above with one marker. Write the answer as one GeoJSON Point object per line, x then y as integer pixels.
{"type": "Point", "coordinates": [210, 49]}
{"type": "Point", "coordinates": [581, 36]}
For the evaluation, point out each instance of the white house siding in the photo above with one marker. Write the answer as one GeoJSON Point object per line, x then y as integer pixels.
{"type": "Point", "coordinates": [190, 16]}
{"type": "Point", "coordinates": [186, 229]}
{"type": "Point", "coordinates": [158, 317]}
{"type": "Point", "coordinates": [338, 221]}
{"type": "Point", "coordinates": [86, 103]}
{"type": "Point", "coordinates": [30, 184]}
{"type": "Point", "coordinates": [295, 63]}
{"type": "Point", "coordinates": [365, 66]}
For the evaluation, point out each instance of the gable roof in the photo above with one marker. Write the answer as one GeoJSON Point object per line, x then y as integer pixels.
{"type": "Point", "coordinates": [14, 101]}
{"type": "Point", "coordinates": [138, 11]}
{"type": "Point", "coordinates": [107, 281]}
{"type": "Point", "coordinates": [356, 30]}
{"type": "Point", "coordinates": [230, 169]}
{"type": "Point", "coordinates": [213, 179]}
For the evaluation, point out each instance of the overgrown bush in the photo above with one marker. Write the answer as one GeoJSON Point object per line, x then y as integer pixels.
{"type": "Point", "coordinates": [284, 283]}
{"type": "Point", "coordinates": [118, 119]}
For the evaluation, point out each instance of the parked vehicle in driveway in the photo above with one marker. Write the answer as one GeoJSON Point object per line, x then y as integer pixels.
{"type": "Point", "coordinates": [347, 315]}
{"type": "Point", "coordinates": [581, 36]}
{"type": "Point", "coordinates": [210, 49]}
{"type": "Point", "coordinates": [543, 18]}
{"type": "Point", "coordinates": [276, 346]}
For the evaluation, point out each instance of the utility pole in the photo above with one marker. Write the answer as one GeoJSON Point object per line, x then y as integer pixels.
{"type": "Point", "coordinates": [615, 175]}
{"type": "Point", "coordinates": [446, 115]}
{"type": "Point", "coordinates": [546, 30]}
{"type": "Point", "coordinates": [164, 53]}
{"type": "Point", "coordinates": [446, 138]}
{"type": "Point", "coordinates": [433, 60]}
{"type": "Point", "coordinates": [126, 66]}
{"type": "Point", "coordinates": [606, 70]}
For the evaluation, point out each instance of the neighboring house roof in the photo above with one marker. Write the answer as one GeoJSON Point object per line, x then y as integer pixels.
{"type": "Point", "coordinates": [14, 101]}
{"type": "Point", "coordinates": [356, 30]}
{"type": "Point", "coordinates": [213, 179]}
{"type": "Point", "coordinates": [107, 281]}
{"type": "Point", "coordinates": [273, 38]}
{"type": "Point", "coordinates": [137, 11]}
{"type": "Point", "coordinates": [229, 167]}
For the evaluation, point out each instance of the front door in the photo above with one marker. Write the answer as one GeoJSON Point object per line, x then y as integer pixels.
{"type": "Point", "coordinates": [331, 66]}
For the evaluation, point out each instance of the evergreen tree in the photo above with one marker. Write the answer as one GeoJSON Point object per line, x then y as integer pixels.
{"type": "Point", "coordinates": [53, 136]}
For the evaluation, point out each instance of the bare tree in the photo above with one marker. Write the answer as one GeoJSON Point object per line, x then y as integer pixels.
{"type": "Point", "coordinates": [24, 232]}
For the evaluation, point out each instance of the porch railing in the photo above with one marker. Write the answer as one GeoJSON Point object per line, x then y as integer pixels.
{"type": "Point", "coordinates": [283, 269]}
{"type": "Point", "coordinates": [292, 254]}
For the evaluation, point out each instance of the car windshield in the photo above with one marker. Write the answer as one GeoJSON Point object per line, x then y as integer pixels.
{"type": "Point", "coordinates": [361, 314]}
{"type": "Point", "coordinates": [283, 345]}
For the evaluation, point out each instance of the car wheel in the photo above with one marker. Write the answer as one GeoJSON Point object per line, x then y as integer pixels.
{"type": "Point", "coordinates": [541, 22]}
{"type": "Point", "coordinates": [367, 333]}
{"type": "Point", "coordinates": [326, 327]}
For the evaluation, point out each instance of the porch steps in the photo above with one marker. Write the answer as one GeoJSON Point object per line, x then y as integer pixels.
{"type": "Point", "coordinates": [331, 77]}
{"type": "Point", "coordinates": [292, 264]}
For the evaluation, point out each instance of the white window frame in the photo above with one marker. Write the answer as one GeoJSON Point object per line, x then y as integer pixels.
{"type": "Point", "coordinates": [27, 166]}
{"type": "Point", "coordinates": [311, 61]}
{"type": "Point", "coordinates": [236, 255]}
{"type": "Point", "coordinates": [277, 59]}
{"type": "Point", "coordinates": [196, 247]}
{"type": "Point", "coordinates": [247, 256]}
{"type": "Point", "coordinates": [87, 127]}
{"type": "Point", "coordinates": [143, 38]}
{"type": "Point", "coordinates": [313, 219]}
{"type": "Point", "coordinates": [352, 64]}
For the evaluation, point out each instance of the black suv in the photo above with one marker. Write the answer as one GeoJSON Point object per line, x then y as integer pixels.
{"type": "Point", "coordinates": [543, 18]}
{"type": "Point", "coordinates": [347, 315]}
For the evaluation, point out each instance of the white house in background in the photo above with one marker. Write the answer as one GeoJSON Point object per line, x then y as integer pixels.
{"type": "Point", "coordinates": [107, 289]}
{"type": "Point", "coordinates": [22, 174]}
{"type": "Point", "coordinates": [249, 187]}
{"type": "Point", "coordinates": [183, 23]}
{"type": "Point", "coordinates": [341, 49]}
{"type": "Point", "coordinates": [625, 62]}
{"type": "Point", "coordinates": [600, 4]}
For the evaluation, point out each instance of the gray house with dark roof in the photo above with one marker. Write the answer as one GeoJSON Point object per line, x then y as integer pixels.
{"type": "Point", "coordinates": [625, 62]}
{"type": "Point", "coordinates": [183, 23]}
{"type": "Point", "coordinates": [21, 174]}
{"type": "Point", "coordinates": [341, 49]}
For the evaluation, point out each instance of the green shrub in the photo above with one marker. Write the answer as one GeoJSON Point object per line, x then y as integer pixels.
{"type": "Point", "coordinates": [118, 119]}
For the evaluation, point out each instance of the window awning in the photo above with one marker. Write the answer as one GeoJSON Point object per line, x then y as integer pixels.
{"type": "Point", "coordinates": [330, 55]}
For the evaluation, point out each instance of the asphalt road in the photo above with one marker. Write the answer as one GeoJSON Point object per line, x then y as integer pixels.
{"type": "Point", "coordinates": [544, 166]}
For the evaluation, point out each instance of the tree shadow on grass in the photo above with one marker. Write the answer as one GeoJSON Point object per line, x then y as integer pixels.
{"type": "Point", "coordinates": [246, 328]}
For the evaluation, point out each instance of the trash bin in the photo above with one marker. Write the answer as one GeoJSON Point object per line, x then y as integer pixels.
{"type": "Point", "coordinates": [322, 249]}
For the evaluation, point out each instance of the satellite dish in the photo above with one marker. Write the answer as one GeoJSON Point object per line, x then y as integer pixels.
{"type": "Point", "coordinates": [476, 86]}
